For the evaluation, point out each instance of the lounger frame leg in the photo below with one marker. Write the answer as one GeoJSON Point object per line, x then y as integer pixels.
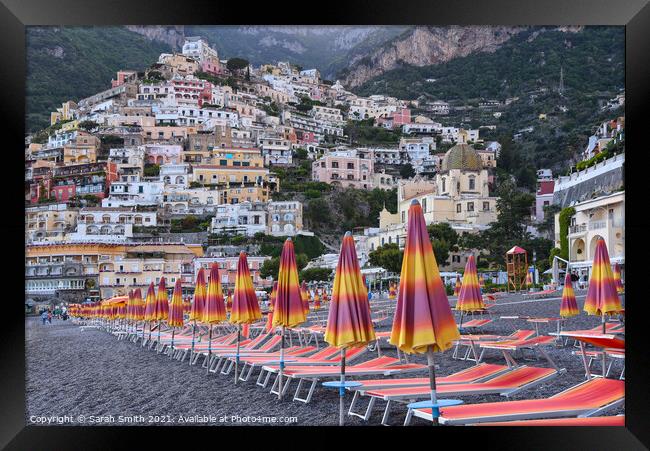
{"type": "Point", "coordinates": [355, 399]}
{"type": "Point", "coordinates": [384, 418]}
{"type": "Point", "coordinates": [310, 393]}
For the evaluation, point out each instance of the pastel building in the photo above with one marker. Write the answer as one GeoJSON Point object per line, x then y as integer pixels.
{"type": "Point", "coordinates": [344, 168]}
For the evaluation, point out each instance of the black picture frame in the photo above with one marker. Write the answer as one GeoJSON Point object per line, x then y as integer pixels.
{"type": "Point", "coordinates": [15, 15]}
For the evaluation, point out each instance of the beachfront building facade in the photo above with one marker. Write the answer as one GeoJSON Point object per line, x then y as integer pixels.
{"type": "Point", "coordinates": [345, 168]}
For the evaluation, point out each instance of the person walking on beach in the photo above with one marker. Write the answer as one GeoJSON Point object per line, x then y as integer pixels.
{"type": "Point", "coordinates": [49, 316]}
{"type": "Point", "coordinates": [44, 316]}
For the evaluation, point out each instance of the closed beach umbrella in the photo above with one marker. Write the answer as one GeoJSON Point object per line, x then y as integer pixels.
{"type": "Point", "coordinates": [149, 308]}
{"type": "Point", "coordinates": [228, 302]}
{"type": "Point", "coordinates": [617, 279]}
{"type": "Point", "coordinates": [569, 306]}
{"type": "Point", "coordinates": [137, 311]}
{"type": "Point", "coordinates": [197, 307]}
{"type": "Point", "coordinates": [175, 311]}
{"type": "Point", "coordinates": [423, 319]}
{"type": "Point", "coordinates": [272, 296]}
{"type": "Point", "coordinates": [129, 306]}
{"type": "Point", "coordinates": [348, 322]}
{"type": "Point", "coordinates": [305, 297]}
{"type": "Point", "coordinates": [288, 310]}
{"type": "Point", "coordinates": [392, 291]}
{"type": "Point", "coordinates": [481, 280]}
{"type": "Point", "coordinates": [245, 308]}
{"type": "Point", "coordinates": [316, 300]}
{"type": "Point", "coordinates": [470, 298]}
{"type": "Point", "coordinates": [161, 310]}
{"type": "Point", "coordinates": [215, 310]}
{"type": "Point", "coordinates": [602, 298]}
{"type": "Point", "coordinates": [457, 286]}
{"type": "Point", "coordinates": [529, 278]}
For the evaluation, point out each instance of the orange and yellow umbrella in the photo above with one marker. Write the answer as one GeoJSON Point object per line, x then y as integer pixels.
{"type": "Point", "coordinates": [602, 298]}
{"type": "Point", "coordinates": [228, 302]}
{"type": "Point", "coordinates": [348, 322]}
{"type": "Point", "coordinates": [617, 279]}
{"type": "Point", "coordinates": [529, 278]}
{"type": "Point", "coordinates": [288, 310]}
{"type": "Point", "coordinates": [470, 298]}
{"type": "Point", "coordinates": [161, 310]}
{"type": "Point", "coordinates": [392, 291]}
{"type": "Point", "coordinates": [569, 306]}
{"type": "Point", "coordinates": [176, 306]}
{"type": "Point", "coordinates": [305, 297]}
{"type": "Point", "coordinates": [316, 299]}
{"type": "Point", "coordinates": [138, 305]}
{"type": "Point", "coordinates": [150, 303]}
{"type": "Point", "coordinates": [129, 305]}
{"type": "Point", "coordinates": [272, 296]}
{"type": "Point", "coordinates": [423, 319]}
{"type": "Point", "coordinates": [215, 310]}
{"type": "Point", "coordinates": [245, 308]}
{"type": "Point", "coordinates": [481, 280]}
{"type": "Point", "coordinates": [457, 286]}
{"type": "Point", "coordinates": [196, 311]}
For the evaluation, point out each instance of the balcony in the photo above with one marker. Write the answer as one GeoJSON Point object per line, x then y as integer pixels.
{"type": "Point", "coordinates": [579, 228]}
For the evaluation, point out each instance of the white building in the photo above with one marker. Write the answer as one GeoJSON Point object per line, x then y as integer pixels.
{"type": "Point", "coordinates": [129, 194]}
{"type": "Point", "coordinates": [197, 48]}
{"type": "Point", "coordinates": [246, 218]}
{"type": "Point", "coordinates": [284, 218]}
{"type": "Point", "coordinates": [276, 150]}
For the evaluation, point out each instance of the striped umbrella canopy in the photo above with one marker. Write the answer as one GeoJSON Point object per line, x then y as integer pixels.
{"type": "Point", "coordinates": [120, 310]}
{"type": "Point", "coordinates": [457, 286]}
{"type": "Point", "coordinates": [129, 306]}
{"type": "Point", "coordinates": [176, 306]}
{"type": "Point", "coordinates": [423, 319]}
{"type": "Point", "coordinates": [196, 311]}
{"type": "Point", "coordinates": [273, 296]}
{"type": "Point", "coordinates": [617, 279]}
{"type": "Point", "coordinates": [602, 297]}
{"type": "Point", "coordinates": [228, 302]}
{"type": "Point", "coordinates": [348, 321]}
{"type": "Point", "coordinates": [481, 281]}
{"type": "Point", "coordinates": [470, 298]}
{"type": "Point", "coordinates": [305, 297]}
{"type": "Point", "coordinates": [529, 278]}
{"type": "Point", "coordinates": [187, 305]}
{"type": "Point", "coordinates": [161, 309]}
{"type": "Point", "coordinates": [215, 310]}
{"type": "Point", "coordinates": [569, 306]}
{"type": "Point", "coordinates": [138, 305]}
{"type": "Point", "coordinates": [245, 308]}
{"type": "Point", "coordinates": [288, 311]}
{"type": "Point", "coordinates": [150, 303]}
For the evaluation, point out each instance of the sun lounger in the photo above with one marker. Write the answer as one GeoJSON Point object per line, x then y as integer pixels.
{"type": "Point", "coordinates": [327, 356]}
{"type": "Point", "coordinates": [470, 341]}
{"type": "Point", "coordinates": [476, 373]}
{"type": "Point", "coordinates": [508, 347]}
{"type": "Point", "coordinates": [613, 354]}
{"type": "Point", "coordinates": [507, 384]}
{"type": "Point", "coordinates": [384, 365]}
{"type": "Point", "coordinates": [585, 399]}
{"type": "Point", "coordinates": [255, 346]}
{"type": "Point", "coordinates": [616, 420]}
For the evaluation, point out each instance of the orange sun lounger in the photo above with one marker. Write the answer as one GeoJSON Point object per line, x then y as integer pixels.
{"type": "Point", "coordinates": [617, 420]}
{"type": "Point", "coordinates": [506, 384]}
{"type": "Point", "coordinates": [585, 399]}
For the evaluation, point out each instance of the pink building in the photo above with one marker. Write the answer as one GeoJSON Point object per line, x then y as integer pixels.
{"type": "Point", "coordinates": [163, 153]}
{"type": "Point", "coordinates": [211, 67]}
{"type": "Point", "coordinates": [124, 76]}
{"type": "Point", "coordinates": [228, 269]}
{"type": "Point", "coordinates": [401, 117]}
{"type": "Point", "coordinates": [306, 137]}
{"type": "Point", "coordinates": [543, 197]}
{"type": "Point", "coordinates": [345, 169]}
{"type": "Point", "coordinates": [192, 89]}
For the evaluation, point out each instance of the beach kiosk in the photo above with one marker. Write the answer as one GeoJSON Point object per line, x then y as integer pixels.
{"type": "Point", "coordinates": [516, 267]}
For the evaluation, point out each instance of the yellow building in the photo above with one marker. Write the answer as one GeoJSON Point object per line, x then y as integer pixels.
{"type": "Point", "coordinates": [80, 268]}
{"type": "Point", "coordinates": [240, 180]}
{"type": "Point", "coordinates": [49, 222]}
{"type": "Point", "coordinates": [82, 150]}
{"type": "Point", "coordinates": [65, 113]}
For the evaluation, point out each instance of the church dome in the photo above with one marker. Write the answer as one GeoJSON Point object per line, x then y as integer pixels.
{"type": "Point", "coordinates": [461, 156]}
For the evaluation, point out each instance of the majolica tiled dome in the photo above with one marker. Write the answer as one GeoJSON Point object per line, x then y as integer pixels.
{"type": "Point", "coordinates": [461, 156]}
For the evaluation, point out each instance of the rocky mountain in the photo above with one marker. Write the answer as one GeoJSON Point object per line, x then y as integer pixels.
{"type": "Point", "coordinates": [425, 46]}
{"type": "Point", "coordinates": [172, 35]}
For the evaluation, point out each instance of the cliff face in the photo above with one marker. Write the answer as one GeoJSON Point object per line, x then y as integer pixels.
{"type": "Point", "coordinates": [424, 46]}
{"type": "Point", "coordinates": [172, 35]}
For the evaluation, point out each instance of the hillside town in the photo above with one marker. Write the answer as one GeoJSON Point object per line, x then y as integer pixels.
{"type": "Point", "coordinates": [177, 167]}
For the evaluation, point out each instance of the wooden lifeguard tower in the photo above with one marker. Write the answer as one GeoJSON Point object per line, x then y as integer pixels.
{"type": "Point", "coordinates": [517, 267]}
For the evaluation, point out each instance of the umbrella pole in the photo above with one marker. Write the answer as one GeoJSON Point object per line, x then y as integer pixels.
{"type": "Point", "coordinates": [461, 319]}
{"type": "Point", "coordinates": [432, 384]}
{"type": "Point", "coordinates": [237, 356]}
{"type": "Point", "coordinates": [159, 327]}
{"type": "Point", "coordinates": [604, 320]}
{"type": "Point", "coordinates": [193, 335]}
{"type": "Point", "coordinates": [342, 389]}
{"type": "Point", "coordinates": [209, 351]}
{"type": "Point", "coordinates": [171, 349]}
{"type": "Point", "coordinates": [281, 364]}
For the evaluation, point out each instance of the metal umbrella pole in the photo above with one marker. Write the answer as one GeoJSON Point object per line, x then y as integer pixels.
{"type": "Point", "coordinates": [237, 356]}
{"type": "Point", "coordinates": [171, 349]}
{"type": "Point", "coordinates": [207, 368]}
{"type": "Point", "coordinates": [193, 337]}
{"type": "Point", "coordinates": [159, 327]}
{"type": "Point", "coordinates": [432, 384]}
{"type": "Point", "coordinates": [281, 365]}
{"type": "Point", "coordinates": [342, 389]}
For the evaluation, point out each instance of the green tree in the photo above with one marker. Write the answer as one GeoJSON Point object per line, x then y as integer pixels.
{"type": "Point", "coordinates": [315, 274]}
{"type": "Point", "coordinates": [388, 256]}
{"type": "Point", "coordinates": [236, 64]}
{"type": "Point", "coordinates": [271, 267]}
{"type": "Point", "coordinates": [406, 171]}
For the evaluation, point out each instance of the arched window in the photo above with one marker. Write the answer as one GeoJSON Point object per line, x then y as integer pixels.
{"type": "Point", "coordinates": [472, 183]}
